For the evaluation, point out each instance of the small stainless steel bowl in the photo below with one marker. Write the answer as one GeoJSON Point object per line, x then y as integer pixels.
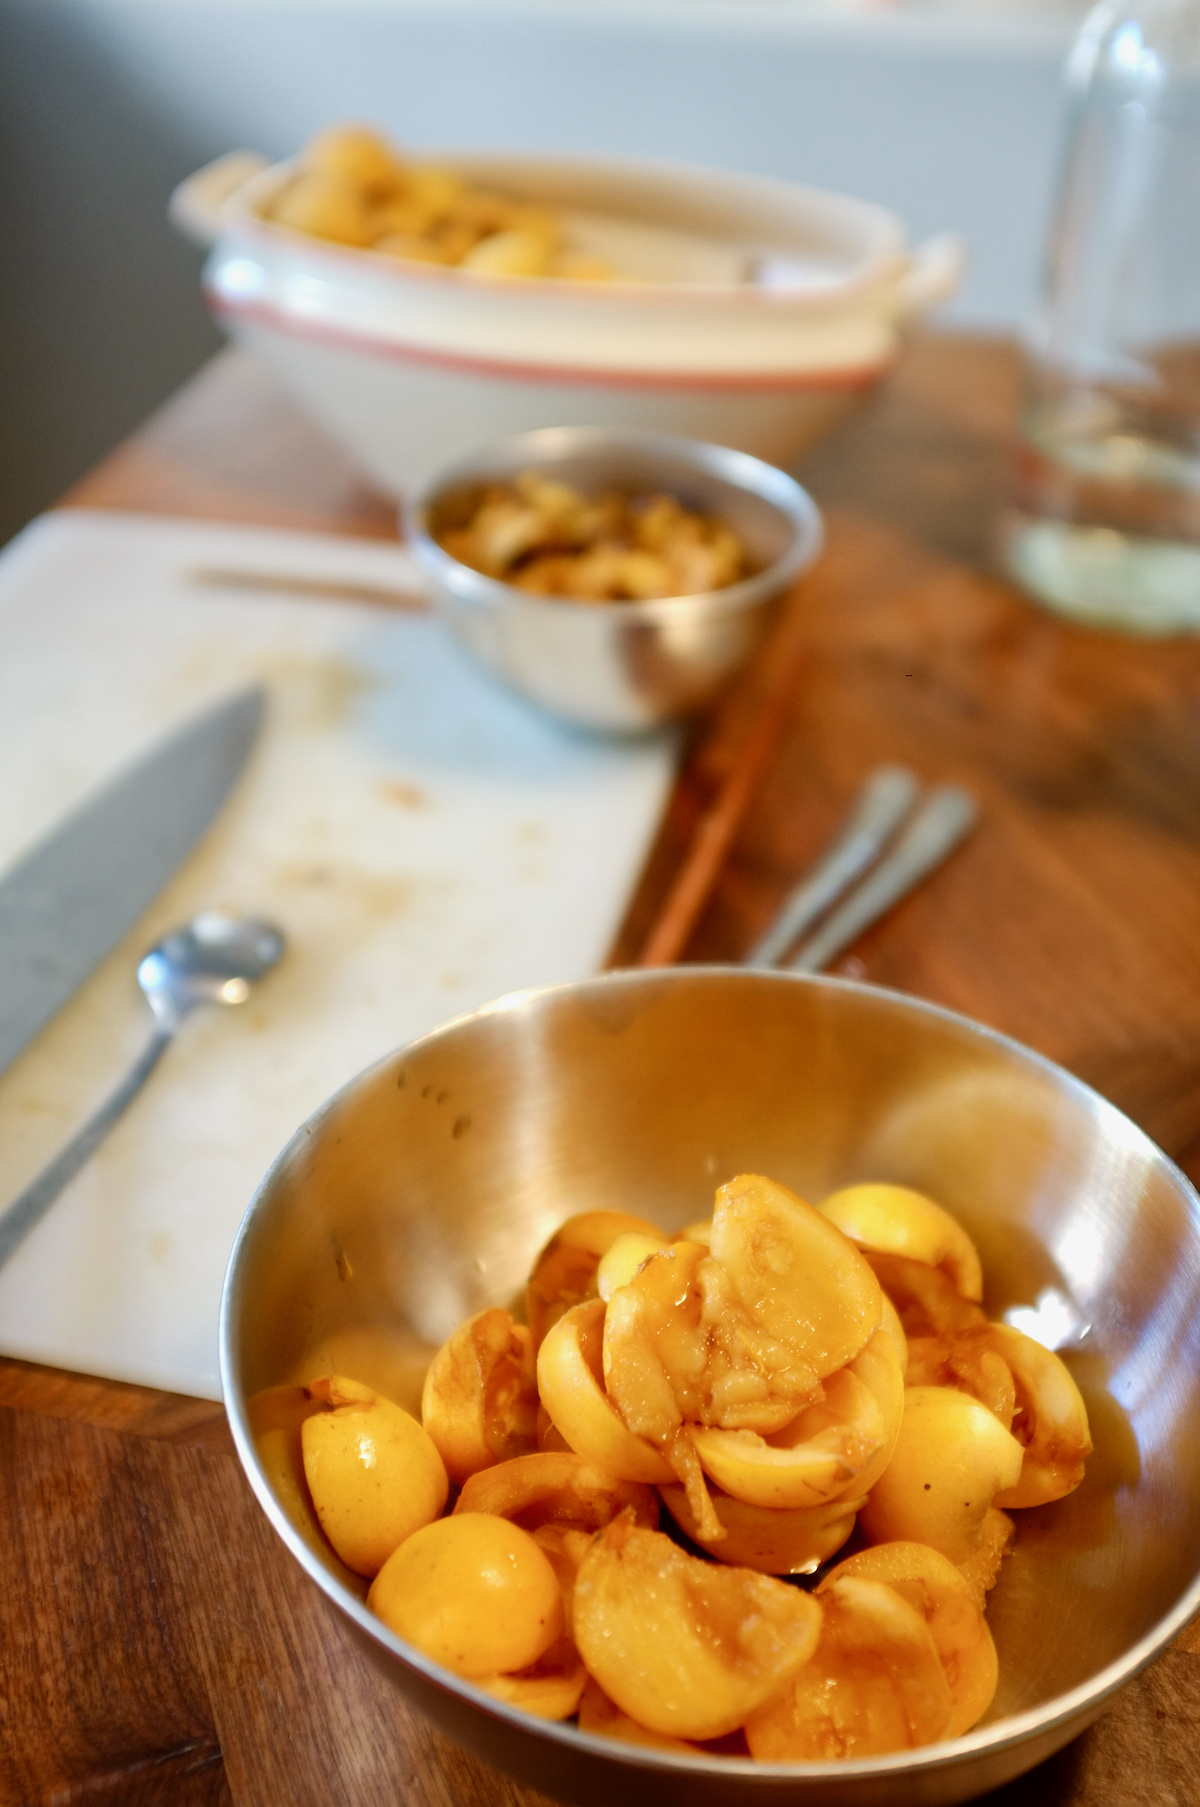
{"type": "Point", "coordinates": [421, 1192]}
{"type": "Point", "coordinates": [623, 666]}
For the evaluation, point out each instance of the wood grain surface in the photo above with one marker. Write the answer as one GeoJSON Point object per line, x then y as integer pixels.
{"type": "Point", "coordinates": [156, 1642]}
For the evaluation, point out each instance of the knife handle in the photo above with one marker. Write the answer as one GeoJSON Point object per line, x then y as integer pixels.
{"type": "Point", "coordinates": [30, 1206]}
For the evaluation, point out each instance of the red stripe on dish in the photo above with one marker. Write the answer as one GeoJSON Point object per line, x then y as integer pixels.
{"type": "Point", "coordinates": [588, 377]}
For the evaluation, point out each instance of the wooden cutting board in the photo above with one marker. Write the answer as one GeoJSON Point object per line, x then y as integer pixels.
{"type": "Point", "coordinates": [425, 841]}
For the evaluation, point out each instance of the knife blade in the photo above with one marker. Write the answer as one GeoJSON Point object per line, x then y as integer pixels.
{"type": "Point", "coordinates": [72, 898]}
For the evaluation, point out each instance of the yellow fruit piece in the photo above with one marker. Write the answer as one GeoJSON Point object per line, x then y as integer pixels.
{"type": "Point", "coordinates": [682, 1348]}
{"type": "Point", "coordinates": [434, 186]}
{"type": "Point", "coordinates": [965, 1359]}
{"type": "Point", "coordinates": [356, 154]}
{"type": "Point", "coordinates": [656, 1350]}
{"type": "Point", "coordinates": [1051, 1421]}
{"type": "Point", "coordinates": [325, 206]}
{"type": "Point", "coordinates": [283, 1409]}
{"type": "Point", "coordinates": [811, 1472]}
{"type": "Point", "coordinates": [836, 1447]}
{"type": "Point", "coordinates": [472, 1592]}
{"type": "Point", "coordinates": [1029, 1389]}
{"type": "Point", "coordinates": [773, 1542]}
{"type": "Point", "coordinates": [685, 1647]}
{"type": "Point", "coordinates": [930, 1582]}
{"type": "Point", "coordinates": [981, 1569]}
{"type": "Point", "coordinates": [895, 1220]}
{"type": "Point", "coordinates": [561, 1489]}
{"type": "Point", "coordinates": [881, 1371]}
{"type": "Point", "coordinates": [619, 1264]}
{"type": "Point", "coordinates": [599, 1716]}
{"type": "Point", "coordinates": [568, 1373]}
{"type": "Point", "coordinates": [564, 1273]}
{"type": "Point", "coordinates": [480, 1400]}
{"type": "Point", "coordinates": [276, 1415]}
{"type": "Point", "coordinates": [875, 1683]}
{"type": "Point", "coordinates": [952, 1458]}
{"type": "Point", "coordinates": [373, 1474]}
{"type": "Point", "coordinates": [517, 252]}
{"type": "Point", "coordinates": [798, 1276]}
{"type": "Point", "coordinates": [926, 1300]}
{"type": "Point", "coordinates": [895, 1329]}
{"type": "Point", "coordinates": [404, 215]}
{"type": "Point", "coordinates": [547, 1693]}
{"type": "Point", "coordinates": [564, 1547]}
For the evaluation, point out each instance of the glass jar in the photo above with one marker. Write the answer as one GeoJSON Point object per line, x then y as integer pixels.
{"type": "Point", "coordinates": [1104, 517]}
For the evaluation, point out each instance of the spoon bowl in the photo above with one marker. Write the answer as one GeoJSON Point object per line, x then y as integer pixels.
{"type": "Point", "coordinates": [214, 959]}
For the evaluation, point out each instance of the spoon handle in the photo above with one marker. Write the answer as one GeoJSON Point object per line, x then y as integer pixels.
{"type": "Point", "coordinates": [28, 1207]}
{"type": "Point", "coordinates": [882, 804]}
{"type": "Point", "coordinates": [947, 815]}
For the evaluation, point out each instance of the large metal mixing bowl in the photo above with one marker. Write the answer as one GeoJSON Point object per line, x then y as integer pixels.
{"type": "Point", "coordinates": [420, 1193]}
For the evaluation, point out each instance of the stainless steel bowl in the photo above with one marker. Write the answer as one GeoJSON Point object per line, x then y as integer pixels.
{"type": "Point", "coordinates": [421, 1192]}
{"type": "Point", "coordinates": [620, 667]}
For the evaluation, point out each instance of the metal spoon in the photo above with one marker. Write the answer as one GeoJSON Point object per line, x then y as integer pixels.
{"type": "Point", "coordinates": [215, 959]}
{"type": "Point", "coordinates": [885, 799]}
{"type": "Point", "coordinates": [947, 815]}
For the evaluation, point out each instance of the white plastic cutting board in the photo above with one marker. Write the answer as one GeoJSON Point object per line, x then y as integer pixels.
{"type": "Point", "coordinates": [425, 841]}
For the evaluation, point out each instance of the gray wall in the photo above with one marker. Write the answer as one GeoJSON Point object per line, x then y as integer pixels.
{"type": "Point", "coordinates": [105, 104]}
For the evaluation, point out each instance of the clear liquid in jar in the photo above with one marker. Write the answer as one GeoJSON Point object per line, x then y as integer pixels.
{"type": "Point", "coordinates": [1103, 522]}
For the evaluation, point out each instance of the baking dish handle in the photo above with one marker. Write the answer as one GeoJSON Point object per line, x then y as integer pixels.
{"type": "Point", "coordinates": [934, 271]}
{"type": "Point", "coordinates": [194, 208]}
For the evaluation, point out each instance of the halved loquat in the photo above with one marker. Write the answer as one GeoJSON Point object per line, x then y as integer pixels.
{"type": "Point", "coordinates": [798, 1276]}
{"type": "Point", "coordinates": [895, 1220]}
{"type": "Point", "coordinates": [952, 1458]}
{"type": "Point", "coordinates": [480, 1401]}
{"type": "Point", "coordinates": [556, 1488]}
{"type": "Point", "coordinates": [1050, 1421]}
{"type": "Point", "coordinates": [930, 1582]}
{"type": "Point", "coordinates": [604, 1719]}
{"type": "Point", "coordinates": [372, 1472]}
{"type": "Point", "coordinates": [874, 1684]}
{"type": "Point", "coordinates": [474, 1593]}
{"type": "Point", "coordinates": [759, 1537]}
{"type": "Point", "coordinates": [569, 1381]}
{"type": "Point", "coordinates": [685, 1647]}
{"type": "Point", "coordinates": [564, 1273]}
{"type": "Point", "coordinates": [835, 1447]}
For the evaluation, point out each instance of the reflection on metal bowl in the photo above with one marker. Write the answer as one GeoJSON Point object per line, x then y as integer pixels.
{"type": "Point", "coordinates": [434, 1178]}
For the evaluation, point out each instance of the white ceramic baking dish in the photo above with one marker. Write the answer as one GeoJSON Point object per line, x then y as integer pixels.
{"type": "Point", "coordinates": [760, 311]}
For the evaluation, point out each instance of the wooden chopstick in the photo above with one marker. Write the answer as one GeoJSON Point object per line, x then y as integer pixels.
{"type": "Point", "coordinates": [744, 753]}
{"type": "Point", "coordinates": [321, 589]}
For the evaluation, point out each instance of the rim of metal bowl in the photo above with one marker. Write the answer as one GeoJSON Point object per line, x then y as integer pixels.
{"type": "Point", "coordinates": [502, 457]}
{"type": "Point", "coordinates": [1085, 1699]}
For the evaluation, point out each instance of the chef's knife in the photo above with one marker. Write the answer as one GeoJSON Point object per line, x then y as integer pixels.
{"type": "Point", "coordinates": [68, 902]}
